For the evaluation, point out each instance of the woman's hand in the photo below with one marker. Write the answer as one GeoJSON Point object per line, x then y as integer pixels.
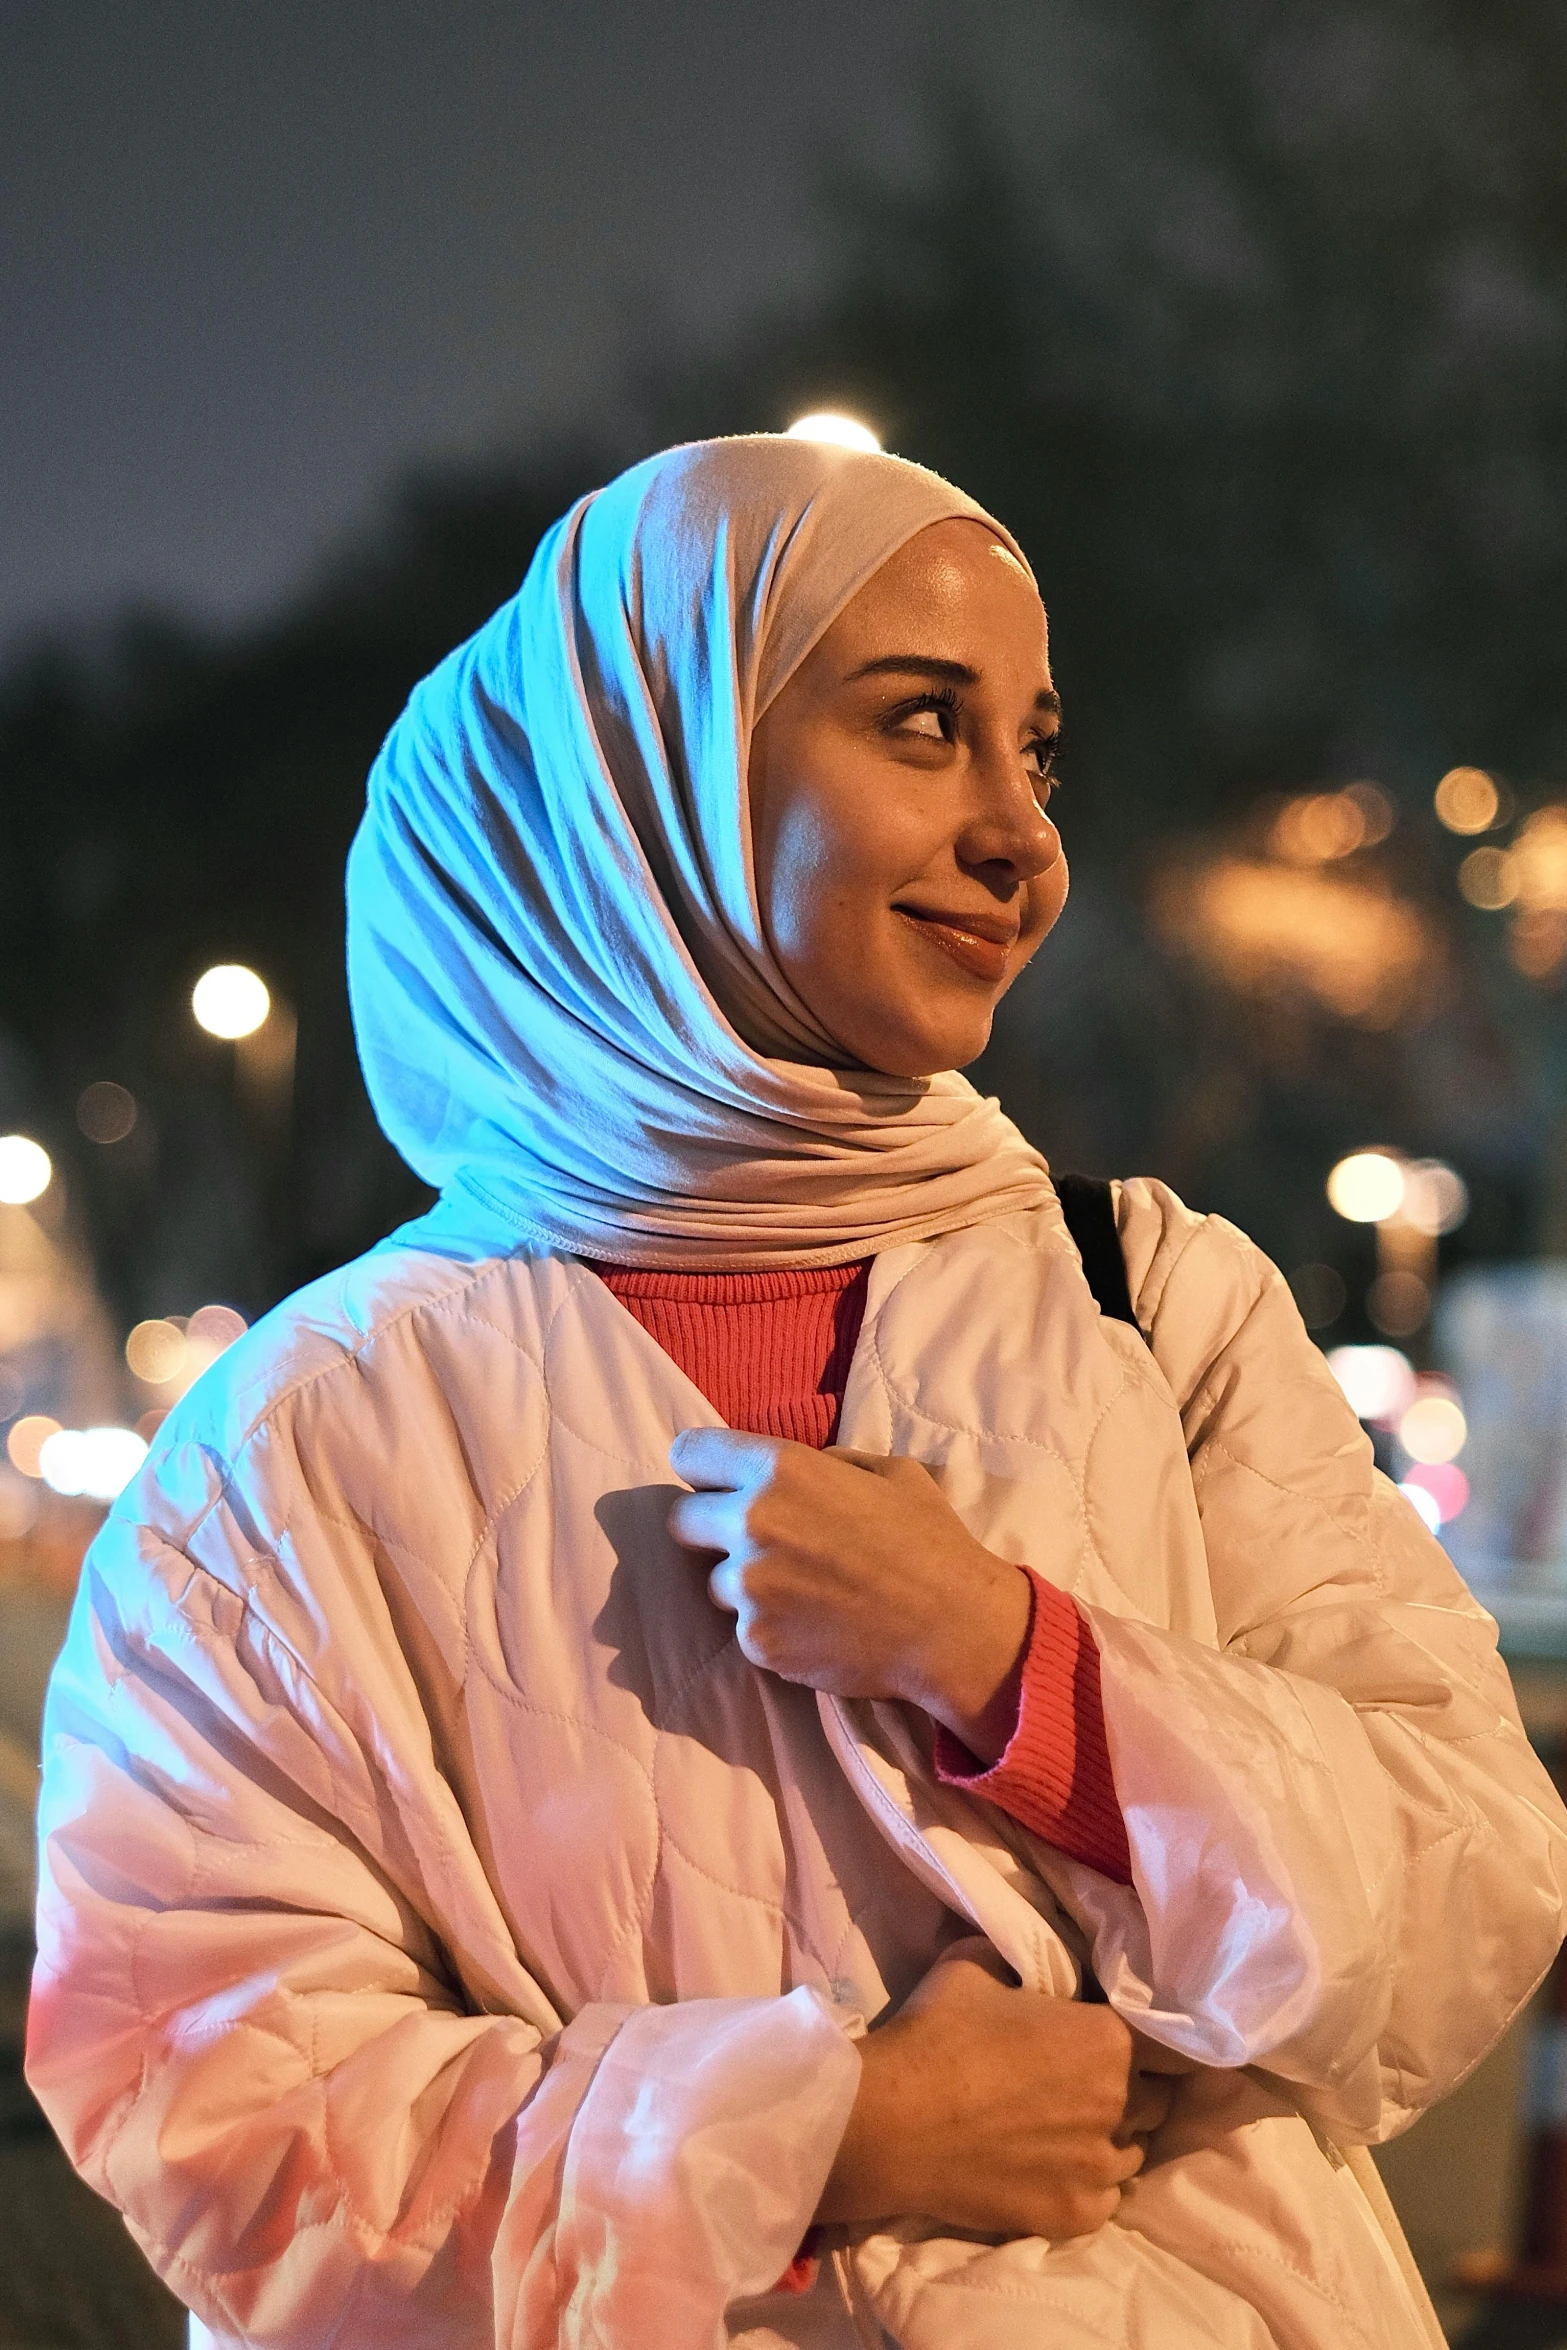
{"type": "Point", "coordinates": [854, 1574]}
{"type": "Point", "coordinates": [998, 2110]}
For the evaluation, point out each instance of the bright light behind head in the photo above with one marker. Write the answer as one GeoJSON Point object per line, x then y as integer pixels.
{"type": "Point", "coordinates": [230, 1000]}
{"type": "Point", "coordinates": [842, 432]}
{"type": "Point", "coordinates": [25, 1170]}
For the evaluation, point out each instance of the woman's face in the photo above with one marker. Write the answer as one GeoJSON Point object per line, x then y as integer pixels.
{"type": "Point", "coordinates": [905, 865]}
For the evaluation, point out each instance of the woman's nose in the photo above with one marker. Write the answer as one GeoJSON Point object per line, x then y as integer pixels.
{"type": "Point", "coordinates": [1008, 825]}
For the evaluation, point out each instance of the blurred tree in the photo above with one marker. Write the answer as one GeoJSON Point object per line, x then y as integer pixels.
{"type": "Point", "coordinates": [174, 802]}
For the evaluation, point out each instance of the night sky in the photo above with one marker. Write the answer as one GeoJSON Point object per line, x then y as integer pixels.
{"type": "Point", "coordinates": [257, 258]}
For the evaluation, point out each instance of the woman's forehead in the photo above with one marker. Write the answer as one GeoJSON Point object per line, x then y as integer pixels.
{"type": "Point", "coordinates": [947, 586]}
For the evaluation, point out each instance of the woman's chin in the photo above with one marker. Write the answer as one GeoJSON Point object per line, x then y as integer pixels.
{"type": "Point", "coordinates": [911, 1025]}
{"type": "Point", "coordinates": [928, 1050]}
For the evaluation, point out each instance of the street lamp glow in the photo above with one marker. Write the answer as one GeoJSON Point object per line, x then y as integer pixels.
{"type": "Point", "coordinates": [230, 1000]}
{"type": "Point", "coordinates": [841, 432]}
{"type": "Point", "coordinates": [1367, 1187]}
{"type": "Point", "coordinates": [25, 1170]}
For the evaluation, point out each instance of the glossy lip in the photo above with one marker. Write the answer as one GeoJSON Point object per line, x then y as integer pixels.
{"type": "Point", "coordinates": [978, 943]}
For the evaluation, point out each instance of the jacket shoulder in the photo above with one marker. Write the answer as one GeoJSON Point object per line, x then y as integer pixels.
{"type": "Point", "coordinates": [329, 1351]}
{"type": "Point", "coordinates": [1196, 1280]}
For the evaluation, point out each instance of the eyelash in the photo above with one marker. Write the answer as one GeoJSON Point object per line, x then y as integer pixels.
{"type": "Point", "coordinates": [1050, 746]}
{"type": "Point", "coordinates": [945, 698]}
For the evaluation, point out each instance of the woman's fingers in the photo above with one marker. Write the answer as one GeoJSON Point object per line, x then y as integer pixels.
{"type": "Point", "coordinates": [724, 1459]}
{"type": "Point", "coordinates": [866, 1584]}
{"type": "Point", "coordinates": [1148, 2103]}
{"type": "Point", "coordinates": [726, 1587]}
{"type": "Point", "coordinates": [996, 2108]}
{"type": "Point", "coordinates": [706, 1521]}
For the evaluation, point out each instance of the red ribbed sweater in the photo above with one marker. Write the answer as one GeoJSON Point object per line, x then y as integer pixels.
{"type": "Point", "coordinates": [771, 1353]}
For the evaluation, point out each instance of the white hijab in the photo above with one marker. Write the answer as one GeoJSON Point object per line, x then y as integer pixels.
{"type": "Point", "coordinates": [569, 1016]}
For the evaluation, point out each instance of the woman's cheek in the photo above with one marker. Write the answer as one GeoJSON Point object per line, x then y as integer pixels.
{"type": "Point", "coordinates": [800, 870]}
{"type": "Point", "coordinates": [820, 893]}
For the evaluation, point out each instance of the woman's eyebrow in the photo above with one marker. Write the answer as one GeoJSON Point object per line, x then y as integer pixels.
{"type": "Point", "coordinates": [950, 673]}
{"type": "Point", "coordinates": [916, 665]}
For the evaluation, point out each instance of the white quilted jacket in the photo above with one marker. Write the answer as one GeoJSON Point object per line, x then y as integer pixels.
{"type": "Point", "coordinates": [448, 1939]}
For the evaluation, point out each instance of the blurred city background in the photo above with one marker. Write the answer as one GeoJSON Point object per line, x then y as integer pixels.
{"type": "Point", "coordinates": [1250, 320]}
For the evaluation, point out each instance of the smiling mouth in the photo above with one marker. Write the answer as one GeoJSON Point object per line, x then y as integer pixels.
{"type": "Point", "coordinates": [978, 944]}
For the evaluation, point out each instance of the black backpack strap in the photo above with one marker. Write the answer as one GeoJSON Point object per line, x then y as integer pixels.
{"type": "Point", "coordinates": [1089, 1209]}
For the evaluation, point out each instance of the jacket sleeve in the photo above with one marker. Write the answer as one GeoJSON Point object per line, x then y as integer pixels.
{"type": "Point", "coordinates": [252, 2038]}
{"type": "Point", "coordinates": [1348, 1861]}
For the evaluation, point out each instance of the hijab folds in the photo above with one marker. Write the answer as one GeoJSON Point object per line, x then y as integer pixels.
{"type": "Point", "coordinates": [568, 1013]}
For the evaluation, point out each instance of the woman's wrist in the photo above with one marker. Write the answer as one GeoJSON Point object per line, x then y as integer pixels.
{"type": "Point", "coordinates": [972, 1680]}
{"type": "Point", "coordinates": [867, 2180]}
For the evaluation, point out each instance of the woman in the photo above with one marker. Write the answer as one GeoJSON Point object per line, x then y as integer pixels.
{"type": "Point", "coordinates": [473, 1853]}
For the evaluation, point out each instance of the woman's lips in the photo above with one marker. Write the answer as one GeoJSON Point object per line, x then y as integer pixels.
{"type": "Point", "coordinates": [983, 956]}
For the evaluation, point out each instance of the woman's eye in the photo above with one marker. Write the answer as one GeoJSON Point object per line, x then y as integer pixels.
{"type": "Point", "coordinates": [929, 725]}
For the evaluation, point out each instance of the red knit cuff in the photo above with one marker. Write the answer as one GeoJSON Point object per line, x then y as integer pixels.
{"type": "Point", "coordinates": [1054, 1776]}
{"type": "Point", "coordinates": [803, 2270]}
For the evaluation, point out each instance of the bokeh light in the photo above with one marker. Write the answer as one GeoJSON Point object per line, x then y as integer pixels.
{"type": "Point", "coordinates": [171, 1352]}
{"type": "Point", "coordinates": [1377, 812]}
{"type": "Point", "coordinates": [215, 1327]}
{"type": "Point", "coordinates": [841, 432]}
{"type": "Point", "coordinates": [1467, 800]}
{"type": "Point", "coordinates": [1378, 1381]}
{"type": "Point", "coordinates": [1436, 1197]}
{"type": "Point", "coordinates": [25, 1170]}
{"type": "Point", "coordinates": [1539, 857]}
{"type": "Point", "coordinates": [1537, 864]}
{"type": "Point", "coordinates": [26, 1441]}
{"type": "Point", "coordinates": [1319, 827]}
{"type": "Point", "coordinates": [1537, 944]}
{"type": "Point", "coordinates": [230, 1000]}
{"type": "Point", "coordinates": [155, 1351]}
{"type": "Point", "coordinates": [209, 1331]}
{"type": "Point", "coordinates": [106, 1112]}
{"type": "Point", "coordinates": [94, 1463]}
{"type": "Point", "coordinates": [1433, 1429]}
{"type": "Point", "coordinates": [1488, 878]}
{"type": "Point", "coordinates": [1367, 1187]}
{"type": "Point", "coordinates": [1445, 1484]}
{"type": "Point", "coordinates": [1287, 930]}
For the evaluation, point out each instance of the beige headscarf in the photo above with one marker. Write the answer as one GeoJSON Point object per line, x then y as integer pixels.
{"type": "Point", "coordinates": [569, 1017]}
